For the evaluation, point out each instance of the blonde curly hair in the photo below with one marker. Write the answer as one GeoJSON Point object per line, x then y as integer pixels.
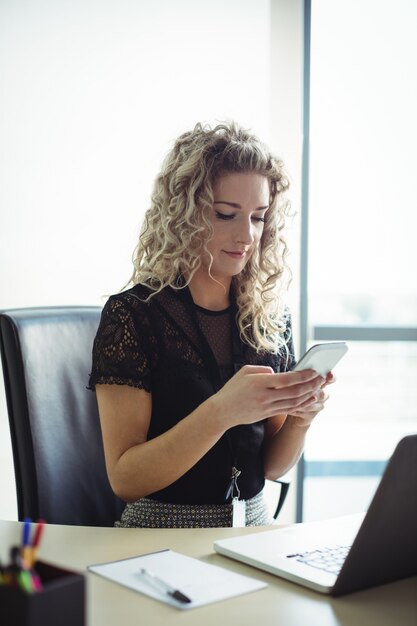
{"type": "Point", "coordinates": [176, 227]}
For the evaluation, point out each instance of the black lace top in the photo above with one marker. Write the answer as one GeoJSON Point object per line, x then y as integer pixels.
{"type": "Point", "coordinates": [182, 354]}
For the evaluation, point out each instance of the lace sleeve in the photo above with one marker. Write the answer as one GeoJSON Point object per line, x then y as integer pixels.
{"type": "Point", "coordinates": [121, 351]}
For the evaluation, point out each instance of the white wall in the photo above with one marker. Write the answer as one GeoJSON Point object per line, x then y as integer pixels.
{"type": "Point", "coordinates": [92, 93]}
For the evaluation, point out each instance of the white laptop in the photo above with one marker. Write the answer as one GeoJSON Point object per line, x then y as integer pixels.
{"type": "Point", "coordinates": [345, 554]}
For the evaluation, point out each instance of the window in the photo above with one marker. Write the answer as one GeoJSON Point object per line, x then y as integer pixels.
{"type": "Point", "coordinates": [361, 251]}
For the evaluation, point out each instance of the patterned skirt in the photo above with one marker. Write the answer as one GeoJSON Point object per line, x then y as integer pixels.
{"type": "Point", "coordinates": [148, 513]}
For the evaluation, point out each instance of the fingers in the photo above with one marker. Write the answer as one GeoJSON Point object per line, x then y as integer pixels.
{"type": "Point", "coordinates": [294, 382]}
{"type": "Point", "coordinates": [248, 370]}
{"type": "Point", "coordinates": [330, 379]}
{"type": "Point", "coordinates": [289, 405]}
{"type": "Point", "coordinates": [317, 401]}
{"type": "Point", "coordinates": [284, 398]}
{"type": "Point", "coordinates": [288, 379]}
{"type": "Point", "coordinates": [266, 375]}
{"type": "Point", "coordinates": [311, 408]}
{"type": "Point", "coordinates": [309, 403]}
{"type": "Point", "coordinates": [256, 392]}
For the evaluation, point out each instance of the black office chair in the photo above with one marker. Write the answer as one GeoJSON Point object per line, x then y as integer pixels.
{"type": "Point", "coordinates": [54, 424]}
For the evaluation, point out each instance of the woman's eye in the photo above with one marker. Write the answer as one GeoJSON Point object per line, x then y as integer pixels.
{"type": "Point", "coordinates": [224, 216]}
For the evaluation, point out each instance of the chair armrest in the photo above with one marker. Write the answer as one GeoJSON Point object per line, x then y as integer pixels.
{"type": "Point", "coordinates": [285, 485]}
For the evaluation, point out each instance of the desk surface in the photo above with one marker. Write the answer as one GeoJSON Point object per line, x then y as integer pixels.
{"type": "Point", "coordinates": [281, 603]}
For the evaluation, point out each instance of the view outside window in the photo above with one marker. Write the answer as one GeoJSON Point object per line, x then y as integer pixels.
{"type": "Point", "coordinates": [362, 251]}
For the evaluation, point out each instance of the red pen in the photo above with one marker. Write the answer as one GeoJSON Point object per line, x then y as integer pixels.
{"type": "Point", "coordinates": [36, 541]}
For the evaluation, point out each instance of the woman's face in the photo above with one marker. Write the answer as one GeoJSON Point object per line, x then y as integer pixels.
{"type": "Point", "coordinates": [238, 215]}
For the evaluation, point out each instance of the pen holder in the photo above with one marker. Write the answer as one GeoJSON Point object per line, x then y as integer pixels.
{"type": "Point", "coordinates": [61, 600]}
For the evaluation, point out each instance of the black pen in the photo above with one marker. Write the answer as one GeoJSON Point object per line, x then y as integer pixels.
{"type": "Point", "coordinates": [163, 586]}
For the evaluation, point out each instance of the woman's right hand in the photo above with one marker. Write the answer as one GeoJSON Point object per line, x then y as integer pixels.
{"type": "Point", "coordinates": [256, 392]}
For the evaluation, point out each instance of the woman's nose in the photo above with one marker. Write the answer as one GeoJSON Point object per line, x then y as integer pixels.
{"type": "Point", "coordinates": [244, 232]}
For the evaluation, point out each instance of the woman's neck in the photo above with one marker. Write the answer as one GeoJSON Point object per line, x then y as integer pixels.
{"type": "Point", "coordinates": [208, 293]}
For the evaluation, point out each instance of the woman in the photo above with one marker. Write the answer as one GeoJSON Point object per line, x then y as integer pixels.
{"type": "Point", "coordinates": [190, 365]}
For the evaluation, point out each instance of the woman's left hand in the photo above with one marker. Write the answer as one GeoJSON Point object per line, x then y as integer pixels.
{"type": "Point", "coordinates": [306, 415]}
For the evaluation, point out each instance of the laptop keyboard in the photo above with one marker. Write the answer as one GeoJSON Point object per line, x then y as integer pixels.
{"type": "Point", "coordinates": [328, 559]}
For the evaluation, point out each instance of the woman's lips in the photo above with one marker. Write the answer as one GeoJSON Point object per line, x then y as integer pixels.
{"type": "Point", "coordinates": [235, 254]}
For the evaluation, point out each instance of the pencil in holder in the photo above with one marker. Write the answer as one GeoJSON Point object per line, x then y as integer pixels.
{"type": "Point", "coordinates": [60, 601]}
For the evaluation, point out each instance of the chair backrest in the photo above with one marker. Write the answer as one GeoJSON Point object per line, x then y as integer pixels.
{"type": "Point", "coordinates": [55, 430]}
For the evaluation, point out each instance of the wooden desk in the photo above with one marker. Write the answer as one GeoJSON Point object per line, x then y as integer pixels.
{"type": "Point", "coordinates": [280, 604]}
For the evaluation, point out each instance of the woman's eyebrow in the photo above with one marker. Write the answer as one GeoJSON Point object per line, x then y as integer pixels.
{"type": "Point", "coordinates": [235, 205]}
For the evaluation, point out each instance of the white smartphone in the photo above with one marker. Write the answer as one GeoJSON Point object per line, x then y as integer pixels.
{"type": "Point", "coordinates": [322, 357]}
